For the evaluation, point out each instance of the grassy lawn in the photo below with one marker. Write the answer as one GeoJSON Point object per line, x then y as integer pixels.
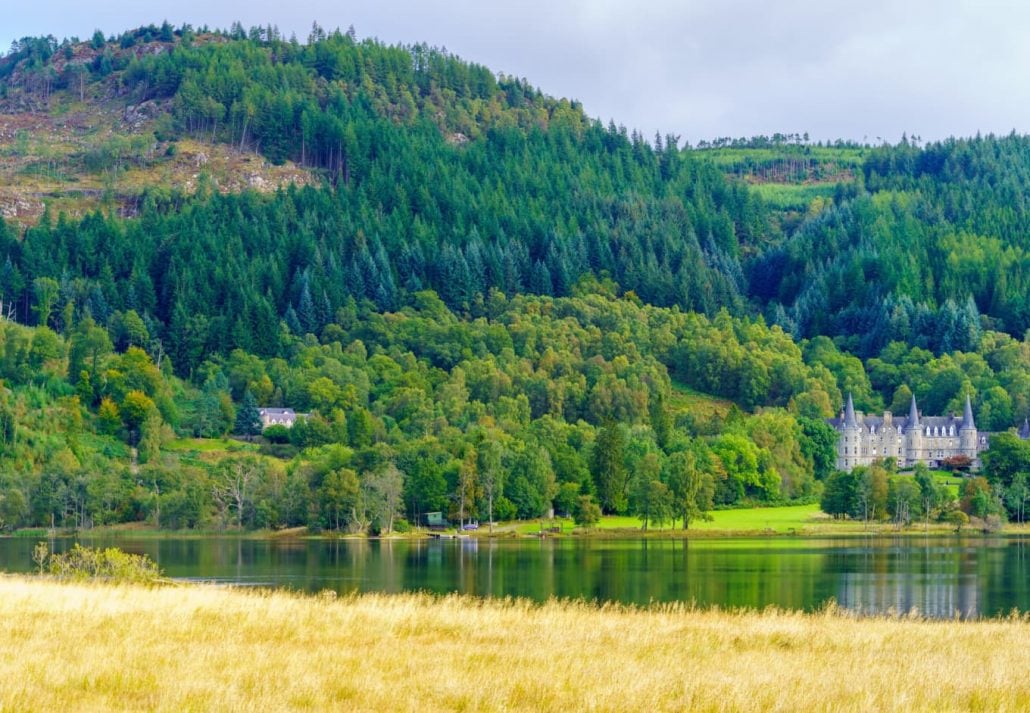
{"type": "Point", "coordinates": [221, 649]}
{"type": "Point", "coordinates": [774, 519]}
{"type": "Point", "coordinates": [704, 406]}
{"type": "Point", "coordinates": [951, 482]}
{"type": "Point", "coordinates": [208, 445]}
{"type": "Point", "coordinates": [782, 519]}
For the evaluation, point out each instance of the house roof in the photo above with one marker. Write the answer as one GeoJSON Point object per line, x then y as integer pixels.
{"type": "Point", "coordinates": [276, 412]}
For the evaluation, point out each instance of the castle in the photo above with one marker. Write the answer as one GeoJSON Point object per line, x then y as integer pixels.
{"type": "Point", "coordinates": [928, 439]}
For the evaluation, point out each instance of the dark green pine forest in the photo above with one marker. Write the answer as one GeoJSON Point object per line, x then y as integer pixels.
{"type": "Point", "coordinates": [489, 303]}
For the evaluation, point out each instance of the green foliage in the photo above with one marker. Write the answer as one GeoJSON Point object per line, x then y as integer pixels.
{"type": "Point", "coordinates": [529, 194]}
{"type": "Point", "coordinates": [651, 500]}
{"type": "Point", "coordinates": [691, 485]}
{"type": "Point", "coordinates": [939, 241]}
{"type": "Point", "coordinates": [276, 433]}
{"type": "Point", "coordinates": [248, 420]}
{"type": "Point", "coordinates": [979, 500]}
{"type": "Point", "coordinates": [109, 563]}
{"type": "Point", "coordinates": [904, 499]}
{"type": "Point", "coordinates": [587, 512]}
{"type": "Point", "coordinates": [609, 468]}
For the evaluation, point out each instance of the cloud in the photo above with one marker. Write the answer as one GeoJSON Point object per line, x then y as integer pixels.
{"type": "Point", "coordinates": [697, 68]}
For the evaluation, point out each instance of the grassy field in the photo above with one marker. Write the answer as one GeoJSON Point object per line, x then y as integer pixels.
{"type": "Point", "coordinates": [806, 520]}
{"type": "Point", "coordinates": [791, 518]}
{"type": "Point", "coordinates": [794, 196]}
{"type": "Point", "coordinates": [102, 647]}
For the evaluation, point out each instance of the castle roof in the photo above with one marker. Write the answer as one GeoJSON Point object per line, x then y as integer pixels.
{"type": "Point", "coordinates": [849, 414]}
{"type": "Point", "coordinates": [967, 416]}
{"type": "Point", "coordinates": [930, 425]}
{"type": "Point", "coordinates": [901, 423]}
{"type": "Point", "coordinates": [913, 415]}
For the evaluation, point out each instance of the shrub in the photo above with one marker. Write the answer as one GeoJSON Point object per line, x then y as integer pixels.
{"type": "Point", "coordinates": [111, 563]}
{"type": "Point", "coordinates": [958, 518]}
{"type": "Point", "coordinates": [277, 434]}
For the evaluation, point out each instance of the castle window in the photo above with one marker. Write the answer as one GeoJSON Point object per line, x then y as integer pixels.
{"type": "Point", "coordinates": [953, 430]}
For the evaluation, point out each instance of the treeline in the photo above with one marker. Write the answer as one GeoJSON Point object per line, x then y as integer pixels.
{"type": "Point", "coordinates": [878, 493]}
{"type": "Point", "coordinates": [538, 404]}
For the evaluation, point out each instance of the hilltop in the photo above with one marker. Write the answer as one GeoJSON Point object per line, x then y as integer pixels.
{"type": "Point", "coordinates": [75, 137]}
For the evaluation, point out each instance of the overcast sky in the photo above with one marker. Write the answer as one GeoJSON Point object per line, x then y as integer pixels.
{"type": "Point", "coordinates": [697, 68]}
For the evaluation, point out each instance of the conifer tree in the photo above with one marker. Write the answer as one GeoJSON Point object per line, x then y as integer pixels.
{"type": "Point", "coordinates": [248, 419]}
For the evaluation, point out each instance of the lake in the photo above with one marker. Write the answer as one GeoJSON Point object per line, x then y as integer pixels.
{"type": "Point", "coordinates": [938, 576]}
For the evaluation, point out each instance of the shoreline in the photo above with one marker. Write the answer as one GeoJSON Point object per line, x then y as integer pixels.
{"type": "Point", "coordinates": [845, 531]}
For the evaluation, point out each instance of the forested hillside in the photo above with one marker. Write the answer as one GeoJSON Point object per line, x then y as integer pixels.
{"type": "Point", "coordinates": [488, 302]}
{"type": "Point", "coordinates": [937, 240]}
{"type": "Point", "coordinates": [445, 177]}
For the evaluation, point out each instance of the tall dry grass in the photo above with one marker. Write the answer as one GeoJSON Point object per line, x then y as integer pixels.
{"type": "Point", "coordinates": [104, 647]}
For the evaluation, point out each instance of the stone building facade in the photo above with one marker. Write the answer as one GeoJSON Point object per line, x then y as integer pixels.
{"type": "Point", "coordinates": [913, 439]}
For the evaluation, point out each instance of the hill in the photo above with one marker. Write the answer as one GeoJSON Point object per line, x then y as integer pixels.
{"type": "Point", "coordinates": [460, 278]}
{"type": "Point", "coordinates": [436, 174]}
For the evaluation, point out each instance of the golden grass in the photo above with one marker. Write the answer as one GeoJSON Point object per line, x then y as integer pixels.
{"type": "Point", "coordinates": [105, 647]}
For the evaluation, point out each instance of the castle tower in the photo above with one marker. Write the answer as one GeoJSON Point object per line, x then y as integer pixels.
{"type": "Point", "coordinates": [913, 436]}
{"type": "Point", "coordinates": [849, 448]}
{"type": "Point", "coordinates": [967, 432]}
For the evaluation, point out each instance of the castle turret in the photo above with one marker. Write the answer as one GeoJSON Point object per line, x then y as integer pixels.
{"type": "Point", "coordinates": [849, 449]}
{"type": "Point", "coordinates": [849, 414]}
{"type": "Point", "coordinates": [913, 435]}
{"type": "Point", "coordinates": [967, 432]}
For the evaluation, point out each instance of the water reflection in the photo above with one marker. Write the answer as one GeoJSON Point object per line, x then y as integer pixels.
{"type": "Point", "coordinates": [938, 577]}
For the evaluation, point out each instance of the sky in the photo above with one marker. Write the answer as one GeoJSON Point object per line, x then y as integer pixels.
{"type": "Point", "coordinates": [866, 70]}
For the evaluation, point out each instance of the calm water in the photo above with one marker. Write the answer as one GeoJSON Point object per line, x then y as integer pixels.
{"type": "Point", "coordinates": [937, 576]}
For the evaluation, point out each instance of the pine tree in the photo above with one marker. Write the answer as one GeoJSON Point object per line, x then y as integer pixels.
{"type": "Point", "coordinates": [248, 419]}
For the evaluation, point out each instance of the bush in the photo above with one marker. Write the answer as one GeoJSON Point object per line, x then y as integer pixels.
{"type": "Point", "coordinates": [111, 563]}
{"type": "Point", "coordinates": [283, 451]}
{"type": "Point", "coordinates": [959, 519]}
{"type": "Point", "coordinates": [276, 434]}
